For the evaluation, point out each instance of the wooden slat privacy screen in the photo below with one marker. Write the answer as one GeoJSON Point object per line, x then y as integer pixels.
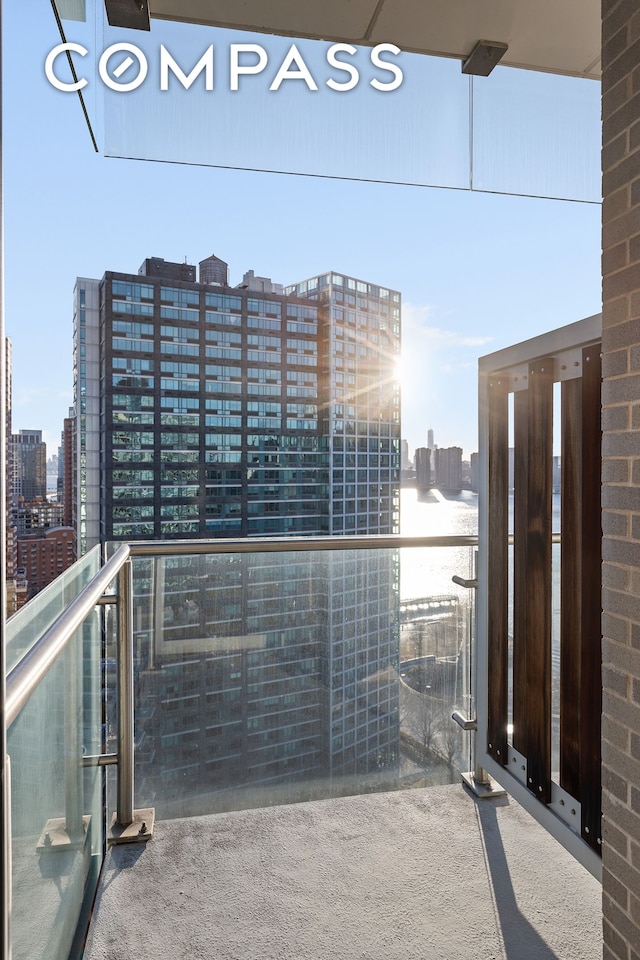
{"type": "Point", "coordinates": [520, 697]}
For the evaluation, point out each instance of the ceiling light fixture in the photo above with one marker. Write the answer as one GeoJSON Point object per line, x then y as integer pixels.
{"type": "Point", "coordinates": [133, 14]}
{"type": "Point", "coordinates": [484, 57]}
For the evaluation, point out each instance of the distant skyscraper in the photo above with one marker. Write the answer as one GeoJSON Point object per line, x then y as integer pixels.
{"type": "Point", "coordinates": [65, 470]}
{"type": "Point", "coordinates": [86, 478]}
{"type": "Point", "coordinates": [430, 438]}
{"type": "Point", "coordinates": [423, 468]}
{"type": "Point", "coordinates": [448, 468]}
{"type": "Point", "coordinates": [15, 597]}
{"type": "Point", "coordinates": [30, 453]}
{"type": "Point", "coordinates": [475, 472]}
{"type": "Point", "coordinates": [204, 410]}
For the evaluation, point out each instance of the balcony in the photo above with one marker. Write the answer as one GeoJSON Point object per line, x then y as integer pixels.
{"type": "Point", "coordinates": [275, 715]}
{"type": "Point", "coordinates": [428, 872]}
{"type": "Point", "coordinates": [249, 745]}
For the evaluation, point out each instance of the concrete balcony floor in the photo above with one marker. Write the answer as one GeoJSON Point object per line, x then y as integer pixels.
{"type": "Point", "coordinates": [428, 873]}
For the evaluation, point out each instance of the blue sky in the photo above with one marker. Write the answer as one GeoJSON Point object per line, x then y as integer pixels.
{"type": "Point", "coordinates": [476, 271]}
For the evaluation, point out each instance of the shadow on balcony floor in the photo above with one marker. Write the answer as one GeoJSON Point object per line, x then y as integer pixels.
{"type": "Point", "coordinates": [429, 874]}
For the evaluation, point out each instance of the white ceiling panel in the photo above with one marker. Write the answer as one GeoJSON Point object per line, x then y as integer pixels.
{"type": "Point", "coordinates": [554, 35]}
{"type": "Point", "coordinates": [342, 19]}
{"type": "Point", "coordinates": [558, 36]}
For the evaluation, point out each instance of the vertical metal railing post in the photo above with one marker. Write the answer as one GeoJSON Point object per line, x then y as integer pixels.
{"type": "Point", "coordinates": [478, 779]}
{"type": "Point", "coordinates": [124, 808]}
{"type": "Point", "coordinates": [480, 775]}
{"type": "Point", "coordinates": [73, 806]}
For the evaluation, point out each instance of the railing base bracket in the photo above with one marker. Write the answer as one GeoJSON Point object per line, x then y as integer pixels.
{"type": "Point", "coordinates": [55, 839]}
{"type": "Point", "coordinates": [484, 791]}
{"type": "Point", "coordinates": [138, 831]}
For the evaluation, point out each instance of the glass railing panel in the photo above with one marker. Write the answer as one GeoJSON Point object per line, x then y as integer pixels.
{"type": "Point", "coordinates": [537, 134]}
{"type": "Point", "coordinates": [29, 623]}
{"type": "Point", "coordinates": [425, 123]}
{"type": "Point", "coordinates": [77, 21]}
{"type": "Point", "coordinates": [435, 657]}
{"type": "Point", "coordinates": [415, 132]}
{"type": "Point", "coordinates": [279, 677]}
{"type": "Point", "coordinates": [53, 797]}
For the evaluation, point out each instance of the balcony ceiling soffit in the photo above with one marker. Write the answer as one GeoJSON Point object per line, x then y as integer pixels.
{"type": "Point", "coordinates": [556, 36]}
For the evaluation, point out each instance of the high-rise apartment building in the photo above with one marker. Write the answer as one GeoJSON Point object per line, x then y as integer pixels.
{"type": "Point", "coordinates": [359, 397]}
{"type": "Point", "coordinates": [37, 514]}
{"type": "Point", "coordinates": [205, 410]}
{"type": "Point", "coordinates": [474, 466]}
{"type": "Point", "coordinates": [16, 585]}
{"type": "Point", "coordinates": [65, 470]}
{"type": "Point", "coordinates": [45, 546]}
{"type": "Point", "coordinates": [423, 468]}
{"type": "Point", "coordinates": [448, 468]}
{"type": "Point", "coordinates": [30, 459]}
{"type": "Point", "coordinates": [44, 553]}
{"type": "Point", "coordinates": [85, 480]}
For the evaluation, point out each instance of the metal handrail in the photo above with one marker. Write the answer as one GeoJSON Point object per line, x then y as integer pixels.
{"type": "Point", "coordinates": [385, 541]}
{"type": "Point", "coordinates": [30, 670]}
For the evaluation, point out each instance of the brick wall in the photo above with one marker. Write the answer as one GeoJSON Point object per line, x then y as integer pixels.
{"type": "Point", "coordinates": [621, 478]}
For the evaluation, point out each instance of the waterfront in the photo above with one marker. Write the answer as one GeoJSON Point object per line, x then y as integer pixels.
{"type": "Point", "coordinates": [437, 514]}
{"type": "Point", "coordinates": [428, 572]}
{"type": "Point", "coordinates": [434, 514]}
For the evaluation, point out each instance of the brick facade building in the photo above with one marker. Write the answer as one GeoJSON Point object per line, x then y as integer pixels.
{"type": "Point", "coordinates": [45, 554]}
{"type": "Point", "coordinates": [621, 478]}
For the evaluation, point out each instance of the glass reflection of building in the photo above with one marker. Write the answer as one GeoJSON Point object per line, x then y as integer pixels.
{"type": "Point", "coordinates": [257, 668]}
{"type": "Point", "coordinates": [244, 412]}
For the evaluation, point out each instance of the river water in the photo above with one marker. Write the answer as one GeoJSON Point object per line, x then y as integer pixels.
{"type": "Point", "coordinates": [434, 514]}
{"type": "Point", "coordinates": [428, 572]}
